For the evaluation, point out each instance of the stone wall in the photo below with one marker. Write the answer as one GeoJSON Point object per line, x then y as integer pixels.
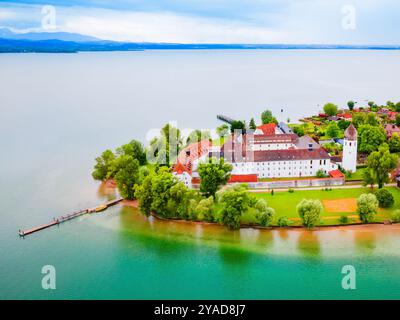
{"type": "Point", "coordinates": [324, 182]}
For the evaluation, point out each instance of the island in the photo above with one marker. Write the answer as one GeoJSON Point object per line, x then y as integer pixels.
{"type": "Point", "coordinates": [337, 168]}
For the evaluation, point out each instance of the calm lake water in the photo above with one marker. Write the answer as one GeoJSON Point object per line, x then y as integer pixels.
{"type": "Point", "coordinates": [58, 112]}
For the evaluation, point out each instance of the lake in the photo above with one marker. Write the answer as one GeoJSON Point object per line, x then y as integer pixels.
{"type": "Point", "coordinates": [59, 111]}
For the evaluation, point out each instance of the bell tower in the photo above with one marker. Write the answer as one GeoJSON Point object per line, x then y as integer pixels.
{"type": "Point", "coordinates": [349, 162]}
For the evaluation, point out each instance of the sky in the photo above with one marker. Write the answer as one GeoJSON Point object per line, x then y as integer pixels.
{"type": "Point", "coordinates": [213, 21]}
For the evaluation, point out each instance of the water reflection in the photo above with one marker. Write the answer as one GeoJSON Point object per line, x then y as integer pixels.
{"type": "Point", "coordinates": [107, 191]}
{"type": "Point", "coordinates": [365, 241]}
{"type": "Point", "coordinates": [314, 244]}
{"type": "Point", "coordinates": [308, 244]}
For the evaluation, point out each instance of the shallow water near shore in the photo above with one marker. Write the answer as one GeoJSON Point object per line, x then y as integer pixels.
{"type": "Point", "coordinates": [58, 112]}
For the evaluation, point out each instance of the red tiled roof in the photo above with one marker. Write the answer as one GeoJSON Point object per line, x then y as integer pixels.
{"type": "Point", "coordinates": [345, 115]}
{"type": "Point", "coordinates": [179, 168]}
{"type": "Point", "coordinates": [336, 174]}
{"type": "Point", "coordinates": [193, 152]}
{"type": "Point", "coordinates": [243, 178]}
{"type": "Point", "coordinates": [350, 133]}
{"type": "Point", "coordinates": [391, 128]}
{"type": "Point", "coordinates": [288, 155]}
{"type": "Point", "coordinates": [196, 180]}
{"type": "Point", "coordinates": [268, 128]}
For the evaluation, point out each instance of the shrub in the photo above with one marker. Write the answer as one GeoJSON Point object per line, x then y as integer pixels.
{"type": "Point", "coordinates": [309, 212]}
{"type": "Point", "coordinates": [265, 218]}
{"type": "Point", "coordinates": [320, 174]}
{"type": "Point", "coordinates": [344, 219]}
{"type": "Point", "coordinates": [283, 221]}
{"type": "Point", "coordinates": [395, 216]}
{"type": "Point", "coordinates": [385, 198]}
{"type": "Point", "coordinates": [204, 209]}
{"type": "Point", "coordinates": [367, 204]}
{"type": "Point", "coordinates": [291, 190]}
{"type": "Point", "coordinates": [234, 201]}
{"type": "Point", "coordinates": [264, 213]}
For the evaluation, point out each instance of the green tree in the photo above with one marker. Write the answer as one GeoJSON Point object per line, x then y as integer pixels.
{"type": "Point", "coordinates": [238, 125]}
{"type": "Point", "coordinates": [205, 209]}
{"type": "Point", "coordinates": [332, 130]}
{"type": "Point", "coordinates": [213, 174]}
{"type": "Point", "coordinates": [264, 213]}
{"type": "Point", "coordinates": [381, 163]}
{"type": "Point", "coordinates": [395, 216]}
{"type": "Point", "coordinates": [371, 119]}
{"type": "Point", "coordinates": [368, 178]}
{"type": "Point", "coordinates": [197, 136]}
{"type": "Point", "coordinates": [299, 130]}
{"type": "Point", "coordinates": [330, 109]}
{"type": "Point", "coordinates": [367, 205]}
{"type": "Point", "coordinates": [267, 117]}
{"type": "Point", "coordinates": [394, 143]}
{"type": "Point", "coordinates": [397, 119]}
{"type": "Point", "coordinates": [252, 124]}
{"type": "Point", "coordinates": [164, 149]}
{"type": "Point", "coordinates": [351, 105]}
{"type": "Point", "coordinates": [127, 176]}
{"type": "Point", "coordinates": [144, 194]}
{"type": "Point", "coordinates": [343, 124]}
{"type": "Point", "coordinates": [162, 183]}
{"type": "Point", "coordinates": [359, 119]}
{"type": "Point", "coordinates": [234, 201]}
{"type": "Point", "coordinates": [385, 198]}
{"type": "Point", "coordinates": [370, 138]}
{"type": "Point", "coordinates": [397, 107]}
{"type": "Point", "coordinates": [321, 174]}
{"type": "Point", "coordinates": [309, 212]}
{"type": "Point", "coordinates": [177, 200]}
{"type": "Point", "coordinates": [390, 105]}
{"type": "Point", "coordinates": [135, 150]}
{"type": "Point", "coordinates": [223, 130]}
{"type": "Point", "coordinates": [103, 168]}
{"type": "Point", "coordinates": [371, 103]}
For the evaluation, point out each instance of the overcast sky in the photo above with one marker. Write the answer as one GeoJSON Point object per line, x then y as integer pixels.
{"type": "Point", "coordinates": [217, 21]}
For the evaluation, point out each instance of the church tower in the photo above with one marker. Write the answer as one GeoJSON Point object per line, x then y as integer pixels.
{"type": "Point", "coordinates": [349, 162]}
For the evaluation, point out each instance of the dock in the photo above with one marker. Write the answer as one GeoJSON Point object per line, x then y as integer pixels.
{"type": "Point", "coordinates": [225, 119]}
{"type": "Point", "coordinates": [57, 221]}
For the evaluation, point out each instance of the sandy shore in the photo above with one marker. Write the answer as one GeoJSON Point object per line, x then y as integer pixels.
{"type": "Point", "coordinates": [358, 227]}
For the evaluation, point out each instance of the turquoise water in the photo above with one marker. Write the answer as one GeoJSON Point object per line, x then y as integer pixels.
{"type": "Point", "coordinates": [59, 111]}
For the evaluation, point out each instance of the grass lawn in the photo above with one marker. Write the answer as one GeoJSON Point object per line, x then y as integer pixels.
{"type": "Point", "coordinates": [285, 203]}
{"type": "Point", "coordinates": [356, 175]}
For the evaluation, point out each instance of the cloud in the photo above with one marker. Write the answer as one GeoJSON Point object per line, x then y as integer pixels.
{"type": "Point", "coordinates": [216, 21]}
{"type": "Point", "coordinates": [169, 27]}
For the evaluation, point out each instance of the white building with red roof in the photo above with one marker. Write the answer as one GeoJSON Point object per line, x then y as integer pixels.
{"type": "Point", "coordinates": [276, 154]}
{"type": "Point", "coordinates": [188, 160]}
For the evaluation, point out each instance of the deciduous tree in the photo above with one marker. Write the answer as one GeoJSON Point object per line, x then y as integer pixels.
{"type": "Point", "coordinates": [309, 212]}
{"type": "Point", "coordinates": [330, 109]}
{"type": "Point", "coordinates": [381, 163]}
{"type": "Point", "coordinates": [213, 174]}
{"type": "Point", "coordinates": [367, 205]}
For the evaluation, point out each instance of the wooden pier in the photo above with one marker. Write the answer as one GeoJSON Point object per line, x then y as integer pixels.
{"type": "Point", "coordinates": [69, 216]}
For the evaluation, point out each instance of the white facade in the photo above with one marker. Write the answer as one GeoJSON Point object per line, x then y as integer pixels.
{"type": "Point", "coordinates": [271, 146]}
{"type": "Point", "coordinates": [349, 162]}
{"type": "Point", "coordinates": [184, 177]}
{"type": "Point", "coordinates": [284, 169]}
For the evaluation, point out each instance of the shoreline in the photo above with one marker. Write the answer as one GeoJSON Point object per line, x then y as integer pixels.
{"type": "Point", "coordinates": [354, 226]}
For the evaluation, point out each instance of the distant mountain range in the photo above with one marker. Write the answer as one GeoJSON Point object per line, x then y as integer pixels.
{"type": "Point", "coordinates": [64, 42]}
{"type": "Point", "coordinates": [6, 33]}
